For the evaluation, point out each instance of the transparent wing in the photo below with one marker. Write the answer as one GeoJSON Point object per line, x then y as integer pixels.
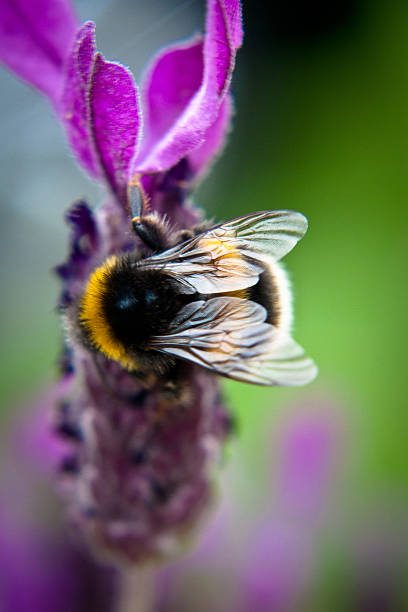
{"type": "Point", "coordinates": [231, 256]}
{"type": "Point", "coordinates": [273, 233]}
{"type": "Point", "coordinates": [229, 336]}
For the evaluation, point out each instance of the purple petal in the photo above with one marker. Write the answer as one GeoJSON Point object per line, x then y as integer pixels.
{"type": "Point", "coordinates": [115, 121]}
{"type": "Point", "coordinates": [170, 83]}
{"type": "Point", "coordinates": [217, 47]}
{"type": "Point", "coordinates": [100, 112]}
{"type": "Point", "coordinates": [191, 97]}
{"type": "Point", "coordinates": [233, 14]}
{"type": "Point", "coordinates": [75, 108]}
{"type": "Point", "coordinates": [35, 37]}
{"type": "Point", "coordinates": [200, 159]}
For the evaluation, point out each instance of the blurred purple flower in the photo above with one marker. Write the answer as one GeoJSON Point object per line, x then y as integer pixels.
{"type": "Point", "coordinates": [268, 564]}
{"type": "Point", "coordinates": [137, 473]}
{"type": "Point", "coordinates": [282, 555]}
{"type": "Point", "coordinates": [45, 573]}
{"type": "Point", "coordinates": [35, 36]}
{"type": "Point", "coordinates": [43, 567]}
{"type": "Point", "coordinates": [309, 453]}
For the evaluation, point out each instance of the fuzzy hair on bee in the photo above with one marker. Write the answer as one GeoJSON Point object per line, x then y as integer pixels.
{"type": "Point", "coordinates": [217, 297]}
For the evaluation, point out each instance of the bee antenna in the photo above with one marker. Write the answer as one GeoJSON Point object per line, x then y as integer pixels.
{"type": "Point", "coordinates": [136, 198]}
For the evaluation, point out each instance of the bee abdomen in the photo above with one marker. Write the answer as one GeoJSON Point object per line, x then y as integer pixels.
{"type": "Point", "coordinates": [273, 293]}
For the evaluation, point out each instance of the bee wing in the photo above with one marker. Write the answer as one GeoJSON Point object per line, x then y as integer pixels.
{"type": "Point", "coordinates": [231, 256]}
{"type": "Point", "coordinates": [229, 336]}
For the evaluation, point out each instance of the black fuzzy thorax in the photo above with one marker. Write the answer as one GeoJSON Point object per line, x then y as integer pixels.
{"type": "Point", "coordinates": [139, 304]}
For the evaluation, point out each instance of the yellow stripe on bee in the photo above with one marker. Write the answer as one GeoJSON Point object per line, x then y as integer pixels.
{"type": "Point", "coordinates": [93, 318]}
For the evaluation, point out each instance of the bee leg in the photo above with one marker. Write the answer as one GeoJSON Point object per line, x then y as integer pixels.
{"type": "Point", "coordinates": [171, 390]}
{"type": "Point", "coordinates": [152, 231]}
{"type": "Point", "coordinates": [174, 384]}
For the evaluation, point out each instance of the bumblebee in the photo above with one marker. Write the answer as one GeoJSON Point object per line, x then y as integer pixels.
{"type": "Point", "coordinates": [216, 297]}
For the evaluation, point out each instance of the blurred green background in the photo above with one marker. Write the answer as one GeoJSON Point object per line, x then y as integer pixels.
{"type": "Point", "coordinates": [324, 131]}
{"type": "Point", "coordinates": [320, 127]}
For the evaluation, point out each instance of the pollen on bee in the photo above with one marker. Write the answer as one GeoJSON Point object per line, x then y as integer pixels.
{"type": "Point", "coordinates": [229, 258]}
{"type": "Point", "coordinates": [222, 246]}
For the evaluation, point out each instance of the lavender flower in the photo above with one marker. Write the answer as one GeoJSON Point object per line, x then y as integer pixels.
{"type": "Point", "coordinates": [137, 473]}
{"type": "Point", "coordinates": [43, 567]}
{"type": "Point", "coordinates": [270, 562]}
{"type": "Point", "coordinates": [281, 566]}
{"type": "Point", "coordinates": [46, 574]}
